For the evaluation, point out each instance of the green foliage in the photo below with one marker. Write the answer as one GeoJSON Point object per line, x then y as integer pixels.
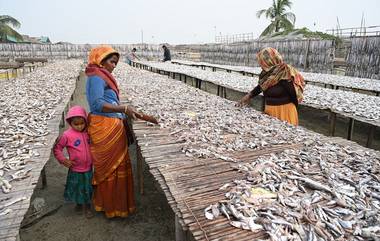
{"type": "Point", "coordinates": [6, 24]}
{"type": "Point", "coordinates": [305, 32]}
{"type": "Point", "coordinates": [280, 19]}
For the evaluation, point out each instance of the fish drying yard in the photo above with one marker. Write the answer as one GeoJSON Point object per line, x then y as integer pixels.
{"type": "Point", "coordinates": [190, 120]}
{"type": "Point", "coordinates": [227, 173]}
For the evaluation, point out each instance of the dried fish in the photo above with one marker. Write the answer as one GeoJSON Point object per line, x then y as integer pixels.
{"type": "Point", "coordinates": [327, 220]}
{"type": "Point", "coordinates": [345, 102]}
{"type": "Point", "coordinates": [6, 211]}
{"type": "Point", "coordinates": [209, 128]}
{"type": "Point", "coordinates": [11, 202]}
{"type": "Point", "coordinates": [329, 79]}
{"type": "Point", "coordinates": [27, 103]}
{"type": "Point", "coordinates": [297, 193]}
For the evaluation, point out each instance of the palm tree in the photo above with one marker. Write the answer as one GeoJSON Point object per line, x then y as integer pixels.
{"type": "Point", "coordinates": [280, 19]}
{"type": "Point", "coordinates": [6, 22]}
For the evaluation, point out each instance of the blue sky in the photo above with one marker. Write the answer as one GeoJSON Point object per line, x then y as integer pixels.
{"type": "Point", "coordinates": [172, 21]}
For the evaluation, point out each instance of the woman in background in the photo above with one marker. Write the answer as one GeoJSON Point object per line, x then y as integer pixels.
{"type": "Point", "coordinates": [281, 84]}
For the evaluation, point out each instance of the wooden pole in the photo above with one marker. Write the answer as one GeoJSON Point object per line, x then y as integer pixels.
{"type": "Point", "coordinates": [332, 123]}
{"type": "Point", "coordinates": [43, 177]}
{"type": "Point", "coordinates": [140, 176]}
{"type": "Point", "coordinates": [371, 133]}
{"type": "Point", "coordinates": [180, 235]}
{"type": "Point", "coordinates": [62, 120]}
{"type": "Point", "coordinates": [263, 104]}
{"type": "Point", "coordinates": [305, 66]}
{"type": "Point", "coordinates": [350, 129]}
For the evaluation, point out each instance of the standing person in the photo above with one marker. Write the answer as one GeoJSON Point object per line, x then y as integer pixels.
{"type": "Point", "coordinates": [132, 56]}
{"type": "Point", "coordinates": [167, 56]}
{"type": "Point", "coordinates": [281, 84]}
{"type": "Point", "coordinates": [113, 179]}
{"type": "Point", "coordinates": [76, 141]}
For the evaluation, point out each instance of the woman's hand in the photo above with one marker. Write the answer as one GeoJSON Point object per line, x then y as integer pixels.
{"type": "Point", "coordinates": [131, 112]}
{"type": "Point", "coordinates": [244, 101]}
{"type": "Point", "coordinates": [67, 163]}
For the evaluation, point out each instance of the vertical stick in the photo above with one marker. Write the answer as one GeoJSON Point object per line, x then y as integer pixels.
{"type": "Point", "coordinates": [263, 104]}
{"type": "Point", "coordinates": [63, 120]}
{"type": "Point", "coordinates": [332, 123]}
{"type": "Point", "coordinates": [371, 133]}
{"type": "Point", "coordinates": [179, 233]}
{"type": "Point", "coordinates": [43, 176]}
{"type": "Point", "coordinates": [306, 55]}
{"type": "Point", "coordinates": [140, 169]}
{"type": "Point", "coordinates": [350, 129]}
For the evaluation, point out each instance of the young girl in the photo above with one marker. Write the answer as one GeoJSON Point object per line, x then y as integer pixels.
{"type": "Point", "coordinates": [76, 141]}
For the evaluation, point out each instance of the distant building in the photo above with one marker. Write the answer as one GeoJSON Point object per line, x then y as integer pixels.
{"type": "Point", "coordinates": [36, 40]}
{"type": "Point", "coordinates": [45, 40]}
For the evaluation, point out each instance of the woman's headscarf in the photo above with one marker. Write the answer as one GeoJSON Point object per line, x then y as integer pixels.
{"type": "Point", "coordinates": [94, 67]}
{"type": "Point", "coordinates": [275, 69]}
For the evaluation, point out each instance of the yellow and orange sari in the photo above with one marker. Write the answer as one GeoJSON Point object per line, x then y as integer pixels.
{"type": "Point", "coordinates": [113, 179]}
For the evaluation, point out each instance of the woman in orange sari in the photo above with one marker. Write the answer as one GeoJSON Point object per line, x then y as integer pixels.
{"type": "Point", "coordinates": [281, 84]}
{"type": "Point", "coordinates": [113, 179]}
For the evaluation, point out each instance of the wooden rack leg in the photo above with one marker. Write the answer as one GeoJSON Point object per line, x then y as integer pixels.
{"type": "Point", "coordinates": [62, 120]}
{"type": "Point", "coordinates": [371, 133]}
{"type": "Point", "coordinates": [180, 235]}
{"type": "Point", "coordinates": [140, 170]}
{"type": "Point", "coordinates": [263, 104]}
{"type": "Point", "coordinates": [332, 123]}
{"type": "Point", "coordinates": [350, 129]}
{"type": "Point", "coordinates": [43, 176]}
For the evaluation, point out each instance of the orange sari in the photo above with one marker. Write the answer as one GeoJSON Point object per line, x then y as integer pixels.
{"type": "Point", "coordinates": [287, 112]}
{"type": "Point", "coordinates": [113, 179]}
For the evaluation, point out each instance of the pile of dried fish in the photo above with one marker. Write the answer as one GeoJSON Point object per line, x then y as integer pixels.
{"type": "Point", "coordinates": [26, 105]}
{"type": "Point", "coordinates": [322, 192]}
{"type": "Point", "coordinates": [337, 80]}
{"type": "Point", "coordinates": [206, 124]}
{"type": "Point", "coordinates": [350, 103]}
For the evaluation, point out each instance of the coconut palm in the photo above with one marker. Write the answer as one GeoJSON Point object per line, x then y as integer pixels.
{"type": "Point", "coordinates": [280, 19]}
{"type": "Point", "coordinates": [6, 24]}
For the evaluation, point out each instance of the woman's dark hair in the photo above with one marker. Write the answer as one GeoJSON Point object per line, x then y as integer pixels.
{"type": "Point", "coordinates": [134, 49]}
{"type": "Point", "coordinates": [110, 56]}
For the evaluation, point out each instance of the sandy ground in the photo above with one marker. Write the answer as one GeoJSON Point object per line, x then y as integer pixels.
{"type": "Point", "coordinates": [154, 220]}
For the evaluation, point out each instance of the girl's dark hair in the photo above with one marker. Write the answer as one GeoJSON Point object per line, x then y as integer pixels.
{"type": "Point", "coordinates": [110, 56]}
{"type": "Point", "coordinates": [134, 49]}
